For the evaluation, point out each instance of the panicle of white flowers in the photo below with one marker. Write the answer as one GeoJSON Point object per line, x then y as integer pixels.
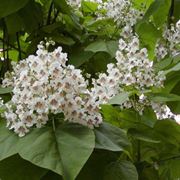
{"type": "Point", "coordinates": [161, 110]}
{"type": "Point", "coordinates": [107, 84]}
{"type": "Point", "coordinates": [121, 11]}
{"type": "Point", "coordinates": [133, 69]}
{"type": "Point", "coordinates": [44, 84]}
{"type": "Point", "coordinates": [170, 42]}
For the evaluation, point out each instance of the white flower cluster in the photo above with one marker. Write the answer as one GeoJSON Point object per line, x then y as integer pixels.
{"type": "Point", "coordinates": [170, 43]}
{"type": "Point", "coordinates": [133, 69]}
{"type": "Point", "coordinates": [121, 11]}
{"type": "Point", "coordinates": [44, 84]}
{"type": "Point", "coordinates": [161, 110]}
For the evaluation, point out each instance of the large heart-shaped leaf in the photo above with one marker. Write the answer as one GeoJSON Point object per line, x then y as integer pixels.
{"type": "Point", "coordinates": [51, 149]}
{"type": "Point", "coordinates": [41, 148]}
{"type": "Point", "coordinates": [111, 138]}
{"type": "Point", "coordinates": [8, 141]}
{"type": "Point", "coordinates": [76, 145]}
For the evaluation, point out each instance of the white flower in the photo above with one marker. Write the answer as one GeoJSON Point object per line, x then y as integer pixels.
{"type": "Point", "coordinates": [20, 128]}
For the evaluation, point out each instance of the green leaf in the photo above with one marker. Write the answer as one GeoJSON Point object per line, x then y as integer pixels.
{"type": "Point", "coordinates": [164, 97]}
{"type": "Point", "coordinates": [14, 23]}
{"type": "Point", "coordinates": [149, 35]}
{"type": "Point", "coordinates": [97, 46]}
{"type": "Point", "coordinates": [41, 148]}
{"type": "Point", "coordinates": [52, 27]}
{"type": "Point", "coordinates": [76, 143]}
{"type": "Point", "coordinates": [51, 149]}
{"type": "Point", "coordinates": [170, 168]}
{"type": "Point", "coordinates": [63, 39]}
{"type": "Point", "coordinates": [120, 98]}
{"type": "Point", "coordinates": [159, 9]}
{"type": "Point", "coordinates": [110, 114]}
{"type": "Point", "coordinates": [175, 164]}
{"type": "Point", "coordinates": [62, 6]}
{"type": "Point", "coordinates": [5, 90]}
{"type": "Point", "coordinates": [79, 57]}
{"type": "Point", "coordinates": [32, 16]}
{"type": "Point", "coordinates": [10, 6]}
{"type": "Point", "coordinates": [169, 131]}
{"type": "Point", "coordinates": [143, 135]}
{"type": "Point", "coordinates": [8, 141]}
{"type": "Point", "coordinates": [88, 6]}
{"type": "Point", "coordinates": [96, 164]}
{"type": "Point", "coordinates": [102, 46]}
{"type": "Point", "coordinates": [163, 64]}
{"type": "Point", "coordinates": [112, 47]}
{"type": "Point", "coordinates": [124, 170]}
{"type": "Point", "coordinates": [175, 68]}
{"type": "Point", "coordinates": [138, 3]}
{"type": "Point", "coordinates": [148, 117]}
{"type": "Point", "coordinates": [171, 81]}
{"type": "Point", "coordinates": [102, 27]}
{"type": "Point", "coordinates": [111, 138]}
{"type": "Point", "coordinates": [16, 168]}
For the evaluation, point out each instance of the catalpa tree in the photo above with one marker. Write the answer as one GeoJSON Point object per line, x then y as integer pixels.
{"type": "Point", "coordinates": [90, 90]}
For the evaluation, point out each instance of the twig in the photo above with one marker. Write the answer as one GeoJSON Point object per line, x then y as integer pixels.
{"type": "Point", "coordinates": [167, 159]}
{"type": "Point", "coordinates": [49, 14]}
{"type": "Point", "coordinates": [12, 46]}
{"type": "Point", "coordinates": [19, 46]}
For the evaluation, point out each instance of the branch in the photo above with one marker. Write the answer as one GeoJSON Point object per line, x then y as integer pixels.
{"type": "Point", "coordinates": [167, 159]}
{"type": "Point", "coordinates": [11, 45]}
{"type": "Point", "coordinates": [49, 14]}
